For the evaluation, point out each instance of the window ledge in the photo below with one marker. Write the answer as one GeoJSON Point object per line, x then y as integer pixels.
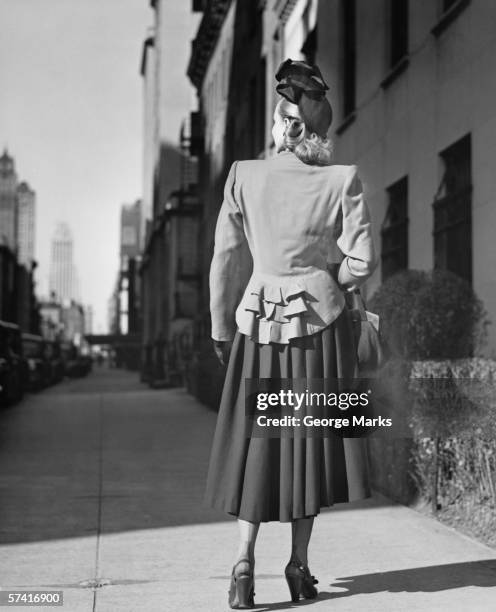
{"type": "Point", "coordinates": [450, 15]}
{"type": "Point", "coordinates": [395, 71]}
{"type": "Point", "coordinates": [347, 121]}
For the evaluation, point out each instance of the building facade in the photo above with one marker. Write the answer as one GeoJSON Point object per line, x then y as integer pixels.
{"type": "Point", "coordinates": [394, 70]}
{"type": "Point", "coordinates": [168, 270]}
{"type": "Point", "coordinates": [51, 319]}
{"type": "Point", "coordinates": [65, 322]}
{"type": "Point", "coordinates": [18, 302]}
{"type": "Point", "coordinates": [8, 201]}
{"type": "Point", "coordinates": [17, 212]}
{"type": "Point", "coordinates": [124, 306]}
{"type": "Point", "coordinates": [89, 316]}
{"type": "Point", "coordinates": [167, 98]}
{"type": "Point", "coordinates": [414, 92]}
{"type": "Point", "coordinates": [128, 293]}
{"type": "Point", "coordinates": [130, 232]}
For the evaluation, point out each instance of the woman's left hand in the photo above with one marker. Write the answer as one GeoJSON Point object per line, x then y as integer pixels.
{"type": "Point", "coordinates": [222, 349]}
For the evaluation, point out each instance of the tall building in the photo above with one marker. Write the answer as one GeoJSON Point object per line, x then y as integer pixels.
{"type": "Point", "coordinates": [112, 310]}
{"type": "Point", "coordinates": [88, 319]}
{"type": "Point", "coordinates": [167, 96]}
{"type": "Point", "coordinates": [76, 285]}
{"type": "Point", "coordinates": [128, 291]}
{"type": "Point", "coordinates": [26, 203]}
{"type": "Point", "coordinates": [17, 212]}
{"type": "Point", "coordinates": [18, 302]}
{"type": "Point", "coordinates": [131, 232]}
{"type": "Point", "coordinates": [169, 283]}
{"type": "Point", "coordinates": [228, 68]}
{"type": "Point", "coordinates": [62, 277]}
{"type": "Point", "coordinates": [8, 201]}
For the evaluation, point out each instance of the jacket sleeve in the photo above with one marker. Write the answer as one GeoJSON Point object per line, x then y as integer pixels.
{"type": "Point", "coordinates": [228, 263]}
{"type": "Point", "coordinates": [355, 240]}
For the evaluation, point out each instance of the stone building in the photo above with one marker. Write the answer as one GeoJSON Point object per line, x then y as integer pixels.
{"type": "Point", "coordinates": [18, 303]}
{"type": "Point", "coordinates": [412, 89]}
{"type": "Point", "coordinates": [63, 321]}
{"type": "Point", "coordinates": [17, 212]}
{"type": "Point", "coordinates": [8, 201]}
{"type": "Point", "coordinates": [26, 210]}
{"type": "Point", "coordinates": [414, 93]}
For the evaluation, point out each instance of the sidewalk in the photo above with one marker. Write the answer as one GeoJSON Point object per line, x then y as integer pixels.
{"type": "Point", "coordinates": [100, 486]}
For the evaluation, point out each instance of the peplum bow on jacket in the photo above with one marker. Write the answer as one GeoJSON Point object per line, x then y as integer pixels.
{"type": "Point", "coordinates": [298, 222]}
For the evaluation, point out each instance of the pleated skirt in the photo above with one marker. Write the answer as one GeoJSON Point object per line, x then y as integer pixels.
{"type": "Point", "coordinates": [283, 478]}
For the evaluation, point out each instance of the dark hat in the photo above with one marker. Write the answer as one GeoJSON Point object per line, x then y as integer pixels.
{"type": "Point", "coordinates": [304, 85]}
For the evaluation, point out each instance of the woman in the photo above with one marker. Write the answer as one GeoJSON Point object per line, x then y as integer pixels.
{"type": "Point", "coordinates": [299, 215]}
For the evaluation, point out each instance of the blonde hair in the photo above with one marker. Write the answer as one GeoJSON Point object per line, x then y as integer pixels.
{"type": "Point", "coordinates": [309, 147]}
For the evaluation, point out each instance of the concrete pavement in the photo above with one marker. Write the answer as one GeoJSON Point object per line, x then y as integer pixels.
{"type": "Point", "coordinates": [101, 482]}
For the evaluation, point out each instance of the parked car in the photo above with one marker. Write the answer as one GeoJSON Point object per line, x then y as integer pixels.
{"type": "Point", "coordinates": [13, 367]}
{"type": "Point", "coordinates": [33, 348]}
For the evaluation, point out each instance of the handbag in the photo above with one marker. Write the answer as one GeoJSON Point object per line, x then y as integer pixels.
{"type": "Point", "coordinates": [372, 349]}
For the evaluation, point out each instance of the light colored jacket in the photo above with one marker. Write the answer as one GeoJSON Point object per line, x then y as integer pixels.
{"type": "Point", "coordinates": [296, 220]}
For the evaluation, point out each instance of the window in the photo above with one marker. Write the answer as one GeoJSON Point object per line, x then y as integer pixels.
{"type": "Point", "coordinates": [349, 55]}
{"type": "Point", "coordinates": [394, 232]}
{"type": "Point", "coordinates": [398, 31]}
{"type": "Point", "coordinates": [453, 211]}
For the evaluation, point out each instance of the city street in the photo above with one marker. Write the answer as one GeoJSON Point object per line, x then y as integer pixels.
{"type": "Point", "coordinates": [101, 481]}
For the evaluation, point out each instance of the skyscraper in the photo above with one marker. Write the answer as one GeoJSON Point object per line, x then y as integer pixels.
{"type": "Point", "coordinates": [127, 291]}
{"type": "Point", "coordinates": [88, 319]}
{"type": "Point", "coordinates": [61, 264]}
{"type": "Point", "coordinates": [131, 240]}
{"type": "Point", "coordinates": [26, 202]}
{"type": "Point", "coordinates": [8, 201]}
{"type": "Point", "coordinates": [17, 212]}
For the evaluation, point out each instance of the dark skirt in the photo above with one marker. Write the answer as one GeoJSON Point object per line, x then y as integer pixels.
{"type": "Point", "coordinates": [262, 479]}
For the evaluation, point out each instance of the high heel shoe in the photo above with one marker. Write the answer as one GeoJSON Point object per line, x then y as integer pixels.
{"type": "Point", "coordinates": [241, 591]}
{"type": "Point", "coordinates": [300, 581]}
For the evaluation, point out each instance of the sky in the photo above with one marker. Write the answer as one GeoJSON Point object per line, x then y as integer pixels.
{"type": "Point", "coordinates": [71, 116]}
